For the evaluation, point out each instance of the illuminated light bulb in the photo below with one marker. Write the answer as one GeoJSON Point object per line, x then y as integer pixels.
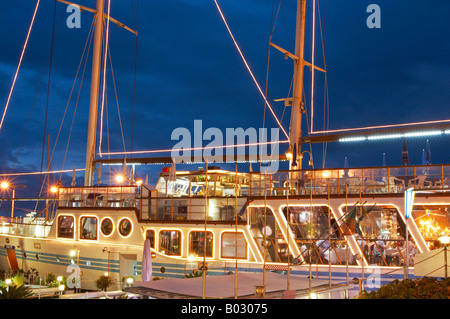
{"type": "Point", "coordinates": [139, 182]}
{"type": "Point", "coordinates": [352, 139]}
{"type": "Point", "coordinates": [54, 189]}
{"type": "Point", "coordinates": [60, 278]}
{"type": "Point", "coordinates": [119, 178]}
{"type": "Point", "coordinates": [72, 253]}
{"type": "Point", "coordinates": [289, 154]}
{"type": "Point", "coordinates": [4, 185]}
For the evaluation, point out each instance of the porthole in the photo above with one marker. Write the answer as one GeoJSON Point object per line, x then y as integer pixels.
{"type": "Point", "coordinates": [125, 227]}
{"type": "Point", "coordinates": [107, 227]}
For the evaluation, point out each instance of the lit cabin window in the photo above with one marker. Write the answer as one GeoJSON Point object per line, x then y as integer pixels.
{"type": "Point", "coordinates": [197, 243]}
{"type": "Point", "coordinates": [125, 227]}
{"type": "Point", "coordinates": [65, 226]}
{"type": "Point", "coordinates": [169, 242]}
{"type": "Point", "coordinates": [107, 226]}
{"type": "Point", "coordinates": [150, 234]}
{"type": "Point", "coordinates": [234, 242]}
{"type": "Point", "coordinates": [88, 228]}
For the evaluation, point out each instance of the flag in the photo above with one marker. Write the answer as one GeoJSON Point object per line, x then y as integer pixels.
{"type": "Point", "coordinates": [405, 157]}
{"type": "Point", "coordinates": [173, 173]}
{"type": "Point", "coordinates": [428, 153]}
{"type": "Point", "coordinates": [348, 228]}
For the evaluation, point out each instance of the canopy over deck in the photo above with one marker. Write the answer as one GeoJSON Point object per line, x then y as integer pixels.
{"type": "Point", "coordinates": [223, 287]}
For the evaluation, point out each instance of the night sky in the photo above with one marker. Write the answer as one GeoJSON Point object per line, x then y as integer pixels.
{"type": "Point", "coordinates": [188, 69]}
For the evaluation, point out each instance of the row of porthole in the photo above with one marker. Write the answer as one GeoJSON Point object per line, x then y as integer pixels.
{"type": "Point", "coordinates": [125, 227]}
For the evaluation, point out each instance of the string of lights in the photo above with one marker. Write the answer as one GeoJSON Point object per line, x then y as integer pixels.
{"type": "Point", "coordinates": [20, 63]}
{"type": "Point", "coordinates": [380, 127]}
{"type": "Point", "coordinates": [248, 68]}
{"type": "Point", "coordinates": [196, 148]}
{"type": "Point", "coordinates": [37, 173]}
{"type": "Point", "coordinates": [104, 82]}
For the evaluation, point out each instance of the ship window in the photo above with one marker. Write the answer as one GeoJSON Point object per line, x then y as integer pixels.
{"type": "Point", "coordinates": [169, 242]}
{"type": "Point", "coordinates": [65, 226]}
{"type": "Point", "coordinates": [197, 243]}
{"type": "Point", "coordinates": [432, 220]}
{"type": "Point", "coordinates": [125, 227]}
{"type": "Point", "coordinates": [107, 226]}
{"type": "Point", "coordinates": [232, 242]}
{"type": "Point", "coordinates": [88, 228]}
{"type": "Point", "coordinates": [268, 234]}
{"type": "Point", "coordinates": [150, 234]}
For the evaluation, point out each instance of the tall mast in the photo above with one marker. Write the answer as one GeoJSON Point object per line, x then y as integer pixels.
{"type": "Point", "coordinates": [297, 104]}
{"type": "Point", "coordinates": [95, 80]}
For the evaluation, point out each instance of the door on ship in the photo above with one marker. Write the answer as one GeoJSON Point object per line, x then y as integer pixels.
{"type": "Point", "coordinates": [128, 267]}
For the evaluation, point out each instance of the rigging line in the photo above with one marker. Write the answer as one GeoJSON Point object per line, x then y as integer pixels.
{"type": "Point", "coordinates": [117, 100]}
{"type": "Point", "coordinates": [248, 68]}
{"type": "Point", "coordinates": [104, 80]}
{"type": "Point", "coordinates": [20, 62]}
{"type": "Point", "coordinates": [272, 27]}
{"type": "Point", "coordinates": [37, 173]}
{"type": "Point", "coordinates": [29, 117]}
{"type": "Point", "coordinates": [89, 39]}
{"type": "Point", "coordinates": [70, 97]}
{"type": "Point", "coordinates": [326, 105]}
{"type": "Point", "coordinates": [46, 106]}
{"type": "Point", "coordinates": [195, 148]}
{"type": "Point", "coordinates": [107, 137]}
{"type": "Point", "coordinates": [135, 67]}
{"type": "Point", "coordinates": [381, 126]}
{"type": "Point", "coordinates": [35, 98]}
{"type": "Point", "coordinates": [313, 48]}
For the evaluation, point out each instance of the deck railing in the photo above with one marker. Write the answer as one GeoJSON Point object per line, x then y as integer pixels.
{"type": "Point", "coordinates": [99, 197]}
{"type": "Point", "coordinates": [25, 226]}
{"type": "Point", "coordinates": [371, 180]}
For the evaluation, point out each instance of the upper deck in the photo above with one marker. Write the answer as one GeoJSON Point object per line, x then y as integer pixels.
{"type": "Point", "coordinates": [221, 195]}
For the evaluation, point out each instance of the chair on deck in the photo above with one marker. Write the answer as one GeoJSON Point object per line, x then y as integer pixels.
{"type": "Point", "coordinates": [441, 183]}
{"type": "Point", "coordinates": [352, 184]}
{"type": "Point", "coordinates": [421, 182]}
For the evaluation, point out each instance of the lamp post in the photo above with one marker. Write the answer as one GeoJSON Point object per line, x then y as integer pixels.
{"type": "Point", "coordinates": [444, 239]}
{"type": "Point", "coordinates": [75, 252]}
{"type": "Point", "coordinates": [5, 185]}
{"type": "Point", "coordinates": [310, 163]}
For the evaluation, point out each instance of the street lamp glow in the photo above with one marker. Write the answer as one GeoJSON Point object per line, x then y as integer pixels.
{"type": "Point", "coordinates": [54, 189]}
{"type": "Point", "coordinates": [444, 239]}
{"type": "Point", "coordinates": [289, 154]}
{"type": "Point", "coordinates": [4, 185]}
{"type": "Point", "coordinates": [139, 182]}
{"type": "Point", "coordinates": [72, 253]}
{"type": "Point", "coordinates": [119, 178]}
